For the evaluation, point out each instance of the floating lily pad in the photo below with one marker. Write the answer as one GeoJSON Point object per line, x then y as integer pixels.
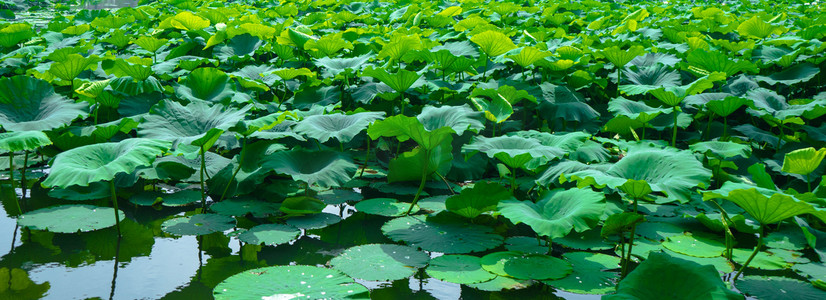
{"type": "Point", "coordinates": [95, 190]}
{"type": "Point", "coordinates": [720, 263]}
{"type": "Point", "coordinates": [590, 275]}
{"type": "Point", "coordinates": [314, 221]}
{"type": "Point", "coordinates": [776, 288]}
{"type": "Point", "coordinates": [179, 198]}
{"type": "Point", "coordinates": [526, 266]}
{"type": "Point", "coordinates": [815, 271]}
{"type": "Point", "coordinates": [269, 234]}
{"type": "Point", "coordinates": [69, 218]}
{"type": "Point", "coordinates": [380, 261]}
{"type": "Point", "coordinates": [243, 206]}
{"type": "Point", "coordinates": [643, 247]}
{"type": "Point", "coordinates": [461, 269]}
{"type": "Point", "coordinates": [762, 261]}
{"type": "Point", "coordinates": [526, 244]}
{"type": "Point", "coordinates": [199, 224]}
{"type": "Point", "coordinates": [694, 245]}
{"type": "Point", "coordinates": [501, 283]}
{"type": "Point", "coordinates": [658, 230]}
{"type": "Point", "coordinates": [435, 204]}
{"type": "Point", "coordinates": [290, 282]}
{"type": "Point", "coordinates": [787, 238]}
{"type": "Point", "coordinates": [385, 207]}
{"type": "Point", "coordinates": [441, 234]}
{"type": "Point", "coordinates": [335, 197]}
{"type": "Point", "coordinates": [584, 240]}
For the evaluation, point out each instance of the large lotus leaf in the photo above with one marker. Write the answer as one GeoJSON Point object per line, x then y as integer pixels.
{"type": "Point", "coordinates": [672, 96]}
{"type": "Point", "coordinates": [459, 118]}
{"type": "Point", "coordinates": [553, 173]}
{"type": "Point", "coordinates": [199, 224]}
{"type": "Point", "coordinates": [527, 56]}
{"type": "Point", "coordinates": [410, 165]}
{"type": "Point", "coordinates": [399, 46]}
{"type": "Point", "coordinates": [505, 92]}
{"type": "Point", "coordinates": [136, 67]}
{"type": "Point", "coordinates": [482, 197]}
{"type": "Point", "coordinates": [240, 47]}
{"type": "Point", "coordinates": [338, 126]}
{"type": "Point", "coordinates": [403, 128]}
{"type": "Point", "coordinates": [242, 206]}
{"type": "Point", "coordinates": [560, 102]}
{"type": "Point", "coordinates": [380, 261]}
{"type": "Point", "coordinates": [69, 68]}
{"type": "Point", "coordinates": [338, 65]}
{"type": "Point", "coordinates": [799, 73]}
{"type": "Point", "coordinates": [289, 282]}
{"type": "Point", "coordinates": [30, 104]}
{"type": "Point", "coordinates": [302, 205]}
{"type": "Point", "coordinates": [15, 33]}
{"type": "Point", "coordinates": [764, 205]}
{"type": "Point", "coordinates": [722, 149]}
{"type": "Point", "coordinates": [385, 207]}
{"type": "Point", "coordinates": [314, 221]}
{"type": "Point", "coordinates": [441, 234]}
{"type": "Point", "coordinates": [777, 288]}
{"type": "Point", "coordinates": [184, 21]}
{"type": "Point", "coordinates": [101, 162]}
{"type": "Point", "coordinates": [205, 84]}
{"type": "Point", "coordinates": [171, 121]}
{"type": "Point", "coordinates": [727, 106]}
{"type": "Point", "coordinates": [496, 110]}
{"type": "Point", "coordinates": [23, 140]}
{"type": "Point", "coordinates": [589, 273]}
{"type": "Point", "coordinates": [803, 161]}
{"type": "Point", "coordinates": [669, 170]}
{"type": "Point", "coordinates": [675, 279]}
{"type": "Point", "coordinates": [322, 168]}
{"type": "Point", "coordinates": [69, 218]}
{"type": "Point", "coordinates": [493, 43]}
{"type": "Point", "coordinates": [260, 73]}
{"type": "Point", "coordinates": [649, 78]}
{"type": "Point", "coordinates": [150, 43]}
{"type": "Point", "coordinates": [525, 266]}
{"type": "Point", "coordinates": [695, 245]}
{"type": "Point", "coordinates": [716, 61]}
{"type": "Point", "coordinates": [269, 234]}
{"type": "Point", "coordinates": [250, 171]}
{"type": "Point", "coordinates": [621, 57]}
{"type": "Point", "coordinates": [653, 59]}
{"type": "Point", "coordinates": [458, 268]}
{"type": "Point", "coordinates": [757, 28]}
{"type": "Point", "coordinates": [515, 151]}
{"type": "Point", "coordinates": [636, 110]}
{"type": "Point", "coordinates": [558, 212]}
{"type": "Point", "coordinates": [400, 81]}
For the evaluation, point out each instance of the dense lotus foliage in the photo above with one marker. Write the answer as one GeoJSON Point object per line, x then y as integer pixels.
{"type": "Point", "coordinates": [330, 149]}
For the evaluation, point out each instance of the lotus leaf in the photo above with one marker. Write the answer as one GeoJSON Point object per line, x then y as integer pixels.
{"type": "Point", "coordinates": [461, 269]}
{"type": "Point", "coordinates": [441, 234]}
{"type": "Point", "coordinates": [767, 287]}
{"type": "Point", "coordinates": [69, 218]}
{"type": "Point", "coordinates": [198, 224]}
{"type": "Point", "coordinates": [514, 151]}
{"type": "Point", "coordinates": [380, 262]}
{"type": "Point", "coordinates": [30, 104]}
{"type": "Point", "coordinates": [525, 266]}
{"type": "Point", "coordinates": [269, 234]}
{"type": "Point", "coordinates": [172, 121]}
{"type": "Point", "coordinates": [286, 282]}
{"type": "Point", "coordinates": [557, 212]}
{"type": "Point", "coordinates": [590, 275]}
{"type": "Point", "coordinates": [338, 126]}
{"type": "Point", "coordinates": [322, 168]}
{"type": "Point", "coordinates": [385, 207]}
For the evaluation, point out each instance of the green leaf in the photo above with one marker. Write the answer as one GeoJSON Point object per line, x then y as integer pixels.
{"type": "Point", "coordinates": [69, 218]}
{"type": "Point", "coordinates": [15, 33]}
{"type": "Point", "coordinates": [493, 43]}
{"type": "Point", "coordinates": [441, 234]}
{"type": "Point", "coordinates": [293, 282]}
{"type": "Point", "coordinates": [757, 28]}
{"type": "Point", "coordinates": [23, 140]}
{"type": "Point", "coordinates": [515, 151]}
{"type": "Point", "coordinates": [205, 84]}
{"type": "Point", "coordinates": [694, 245]}
{"type": "Point", "coordinates": [803, 161]}
{"type": "Point", "coordinates": [186, 21]}
{"type": "Point", "coordinates": [72, 65]}
{"type": "Point", "coordinates": [527, 56]}
{"type": "Point", "coordinates": [496, 110]}
{"type": "Point", "coordinates": [461, 269]}
{"type": "Point", "coordinates": [672, 96]}
{"type": "Point", "coordinates": [636, 110]}
{"type": "Point", "coordinates": [708, 61]}
{"type": "Point", "coordinates": [648, 78]}
{"type": "Point", "coordinates": [802, 72]}
{"type": "Point", "coordinates": [722, 149]}
{"type": "Point", "coordinates": [764, 205]}
{"type": "Point", "coordinates": [590, 275]}
{"type": "Point", "coordinates": [29, 104]}
{"type": "Point", "coordinates": [322, 168]}
{"type": "Point", "coordinates": [482, 197]}
{"type": "Point", "coordinates": [290, 73]}
{"type": "Point", "coordinates": [269, 234]}
{"type": "Point", "coordinates": [408, 166]}
{"type": "Point", "coordinates": [727, 106]}
{"type": "Point", "coordinates": [404, 128]}
{"type": "Point", "coordinates": [459, 118]}
{"type": "Point", "coordinates": [526, 266]}
{"type": "Point", "coordinates": [302, 205]}
{"type": "Point", "coordinates": [336, 126]}
{"type": "Point", "coordinates": [380, 262]}
{"type": "Point", "coordinates": [198, 224]}
{"type": "Point", "coordinates": [240, 207]}
{"type": "Point", "coordinates": [101, 162]}
{"type": "Point", "coordinates": [150, 43]}
{"type": "Point", "coordinates": [385, 207]}
{"type": "Point", "coordinates": [637, 189]}
{"type": "Point", "coordinates": [767, 287]}
{"type": "Point", "coordinates": [621, 57]}
{"type": "Point", "coordinates": [676, 279]}
{"type": "Point", "coordinates": [621, 222]}
{"type": "Point", "coordinates": [400, 81]}
{"type": "Point", "coordinates": [557, 212]}
{"type": "Point", "coordinates": [183, 125]}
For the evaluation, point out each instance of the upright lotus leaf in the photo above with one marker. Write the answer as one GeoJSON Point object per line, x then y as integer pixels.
{"type": "Point", "coordinates": [493, 43]}
{"type": "Point", "coordinates": [291, 73]}
{"type": "Point", "coordinates": [414, 164]}
{"type": "Point", "coordinates": [186, 21]}
{"type": "Point", "coordinates": [169, 120]}
{"type": "Point", "coordinates": [30, 104]}
{"type": "Point", "coordinates": [15, 33]}
{"type": "Point", "coordinates": [399, 46]}
{"type": "Point", "coordinates": [704, 62]}
{"type": "Point", "coordinates": [636, 110]}
{"type": "Point", "coordinates": [621, 57]}
{"type": "Point", "coordinates": [205, 84]}
{"type": "Point", "coordinates": [101, 162]}
{"type": "Point", "coordinates": [482, 197]}
{"type": "Point", "coordinates": [527, 56]}
{"type": "Point", "coordinates": [506, 92]}
{"type": "Point", "coordinates": [496, 110]}
{"type": "Point", "coordinates": [400, 81]}
{"type": "Point", "coordinates": [136, 67]}
{"type": "Point", "coordinates": [403, 128]}
{"type": "Point", "coordinates": [557, 212]}
{"type": "Point", "coordinates": [338, 65]}
{"type": "Point", "coordinates": [72, 66]}
{"type": "Point", "coordinates": [676, 279]}
{"type": "Point", "coordinates": [514, 151]}
{"type": "Point", "coordinates": [722, 149]}
{"type": "Point", "coordinates": [149, 43]}
{"type": "Point", "coordinates": [645, 79]}
{"type": "Point", "coordinates": [459, 118]}
{"type": "Point", "coordinates": [727, 106]}
{"type": "Point", "coordinates": [764, 205]}
{"type": "Point", "coordinates": [803, 161]}
{"type": "Point", "coordinates": [759, 29]}
{"type": "Point", "coordinates": [23, 140]}
{"type": "Point", "coordinates": [323, 168]}
{"type": "Point", "coordinates": [672, 96]}
{"type": "Point", "coordinates": [669, 170]}
{"type": "Point", "coordinates": [337, 126]}
{"type": "Point", "coordinates": [290, 282]}
{"type": "Point", "coordinates": [561, 102]}
{"type": "Point", "coordinates": [327, 45]}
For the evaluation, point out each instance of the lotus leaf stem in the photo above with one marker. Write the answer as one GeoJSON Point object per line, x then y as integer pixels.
{"type": "Point", "coordinates": [11, 180]}
{"type": "Point", "coordinates": [674, 131]}
{"type": "Point", "coordinates": [753, 254]}
{"type": "Point", "coordinates": [729, 236]}
{"type": "Point", "coordinates": [23, 174]}
{"type": "Point", "coordinates": [234, 173]}
{"type": "Point", "coordinates": [203, 166]}
{"type": "Point", "coordinates": [115, 205]}
{"type": "Point", "coordinates": [630, 243]}
{"type": "Point", "coordinates": [366, 157]}
{"type": "Point", "coordinates": [421, 185]}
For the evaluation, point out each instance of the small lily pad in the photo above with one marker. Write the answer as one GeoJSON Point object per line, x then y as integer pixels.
{"type": "Point", "coordinates": [199, 224]}
{"type": "Point", "coordinates": [590, 275]}
{"type": "Point", "coordinates": [694, 245]}
{"type": "Point", "coordinates": [380, 261]}
{"type": "Point", "coordinates": [589, 239]}
{"type": "Point", "coordinates": [243, 206]}
{"type": "Point", "coordinates": [526, 244]}
{"type": "Point", "coordinates": [290, 282]}
{"type": "Point", "coordinates": [441, 234]}
{"type": "Point", "coordinates": [501, 283]}
{"type": "Point", "coordinates": [776, 288]}
{"type": "Point", "coordinates": [526, 266]}
{"type": "Point", "coordinates": [69, 218]}
{"type": "Point", "coordinates": [314, 221]}
{"type": "Point", "coordinates": [179, 198]}
{"type": "Point", "coordinates": [269, 234]}
{"type": "Point", "coordinates": [336, 197]}
{"type": "Point", "coordinates": [385, 207]}
{"type": "Point", "coordinates": [461, 269]}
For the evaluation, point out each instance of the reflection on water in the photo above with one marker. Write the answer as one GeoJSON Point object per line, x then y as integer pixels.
{"type": "Point", "coordinates": [108, 4]}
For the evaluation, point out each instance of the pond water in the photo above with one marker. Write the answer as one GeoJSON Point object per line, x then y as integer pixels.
{"type": "Point", "coordinates": [108, 4]}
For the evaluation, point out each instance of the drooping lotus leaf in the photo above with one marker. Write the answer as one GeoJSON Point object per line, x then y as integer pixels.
{"type": "Point", "coordinates": [314, 221]}
{"type": "Point", "coordinates": [199, 224]}
{"type": "Point", "coordinates": [803, 161]}
{"type": "Point", "coordinates": [441, 234]}
{"type": "Point", "coordinates": [403, 128]}
{"type": "Point", "coordinates": [337, 126]}
{"type": "Point", "coordinates": [557, 212]}
{"type": "Point", "coordinates": [23, 140]}
{"type": "Point", "coordinates": [496, 110]}
{"type": "Point", "coordinates": [269, 234]}
{"type": "Point", "coordinates": [695, 245]}
{"type": "Point", "coordinates": [289, 282]}
{"type": "Point", "coordinates": [561, 102]}
{"type": "Point", "coordinates": [459, 118]}
{"type": "Point", "coordinates": [242, 206]}
{"type": "Point", "coordinates": [636, 110]}
{"type": "Point", "coordinates": [172, 121]}
{"type": "Point", "coordinates": [69, 218]}
{"type": "Point", "coordinates": [722, 149]}
{"type": "Point", "coordinates": [621, 57]}
{"type": "Point", "coordinates": [72, 65]}
{"type": "Point", "coordinates": [380, 261]}
{"type": "Point", "coordinates": [799, 73]}
{"type": "Point", "coordinates": [101, 162]}
{"type": "Point", "coordinates": [458, 268]}
{"type": "Point", "coordinates": [649, 78]}
{"type": "Point", "coordinates": [338, 65]}
{"type": "Point", "coordinates": [776, 288]}
{"type": "Point", "coordinates": [764, 205]}
{"type": "Point", "coordinates": [323, 168]}
{"type": "Point", "coordinates": [482, 197]}
{"type": "Point", "coordinates": [515, 151]}
{"type": "Point", "coordinates": [493, 43]}
{"type": "Point", "coordinates": [676, 279]}
{"type": "Point", "coordinates": [525, 266]}
{"type": "Point", "coordinates": [590, 275]}
{"type": "Point", "coordinates": [400, 81]}
{"type": "Point", "coordinates": [668, 170]}
{"type": "Point", "coordinates": [385, 207]}
{"type": "Point", "coordinates": [30, 104]}
{"type": "Point", "coordinates": [205, 84]}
